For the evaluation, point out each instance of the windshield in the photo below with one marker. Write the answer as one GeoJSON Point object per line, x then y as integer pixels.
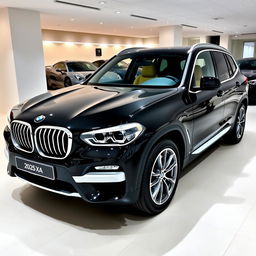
{"type": "Point", "coordinates": [80, 66]}
{"type": "Point", "coordinates": [142, 70]}
{"type": "Point", "coordinates": [247, 64]}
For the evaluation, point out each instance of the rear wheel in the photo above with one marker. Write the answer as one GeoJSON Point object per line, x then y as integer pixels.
{"type": "Point", "coordinates": [237, 132]}
{"type": "Point", "coordinates": [160, 178]}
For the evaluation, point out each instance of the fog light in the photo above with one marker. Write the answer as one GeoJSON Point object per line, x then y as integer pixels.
{"type": "Point", "coordinates": [107, 167]}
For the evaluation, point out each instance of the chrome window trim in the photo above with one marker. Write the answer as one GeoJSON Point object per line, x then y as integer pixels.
{"type": "Point", "coordinates": [70, 140]}
{"type": "Point", "coordinates": [16, 145]}
{"type": "Point", "coordinates": [211, 50]}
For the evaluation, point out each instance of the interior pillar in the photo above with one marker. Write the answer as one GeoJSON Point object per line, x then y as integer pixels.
{"type": "Point", "coordinates": [225, 41]}
{"type": "Point", "coordinates": [170, 36]}
{"type": "Point", "coordinates": [22, 73]}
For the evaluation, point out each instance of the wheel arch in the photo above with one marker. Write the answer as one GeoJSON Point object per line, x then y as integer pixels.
{"type": "Point", "coordinates": [177, 134]}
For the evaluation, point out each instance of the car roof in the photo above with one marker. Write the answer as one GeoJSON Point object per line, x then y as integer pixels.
{"type": "Point", "coordinates": [246, 59]}
{"type": "Point", "coordinates": [166, 50]}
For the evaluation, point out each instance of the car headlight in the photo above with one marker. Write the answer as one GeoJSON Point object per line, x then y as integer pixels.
{"type": "Point", "coordinates": [120, 135]}
{"type": "Point", "coordinates": [79, 77]}
{"type": "Point", "coordinates": [9, 118]}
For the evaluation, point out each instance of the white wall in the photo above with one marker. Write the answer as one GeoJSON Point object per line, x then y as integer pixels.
{"type": "Point", "coordinates": [81, 46]}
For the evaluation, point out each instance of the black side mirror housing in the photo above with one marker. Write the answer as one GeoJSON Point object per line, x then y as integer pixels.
{"type": "Point", "coordinates": [209, 83]}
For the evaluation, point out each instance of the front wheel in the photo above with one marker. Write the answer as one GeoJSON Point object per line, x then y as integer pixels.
{"type": "Point", "coordinates": [160, 178]}
{"type": "Point", "coordinates": [237, 132]}
{"type": "Point", "coordinates": [67, 82]}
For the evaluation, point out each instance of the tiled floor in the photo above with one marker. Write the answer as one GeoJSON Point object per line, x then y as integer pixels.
{"type": "Point", "coordinates": [213, 213]}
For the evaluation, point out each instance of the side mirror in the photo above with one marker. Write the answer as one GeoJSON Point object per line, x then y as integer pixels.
{"type": "Point", "coordinates": [61, 71]}
{"type": "Point", "coordinates": [209, 83]}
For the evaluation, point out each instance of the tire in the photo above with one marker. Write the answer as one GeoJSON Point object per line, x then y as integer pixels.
{"type": "Point", "coordinates": [237, 132]}
{"type": "Point", "coordinates": [67, 82]}
{"type": "Point", "coordinates": [155, 198]}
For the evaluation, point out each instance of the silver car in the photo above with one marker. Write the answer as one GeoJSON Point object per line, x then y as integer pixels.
{"type": "Point", "coordinates": [67, 73]}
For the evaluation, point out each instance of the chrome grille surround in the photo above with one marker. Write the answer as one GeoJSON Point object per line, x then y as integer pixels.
{"type": "Point", "coordinates": [53, 141]}
{"type": "Point", "coordinates": [22, 137]}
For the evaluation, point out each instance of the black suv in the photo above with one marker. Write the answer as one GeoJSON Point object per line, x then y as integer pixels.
{"type": "Point", "coordinates": [124, 140]}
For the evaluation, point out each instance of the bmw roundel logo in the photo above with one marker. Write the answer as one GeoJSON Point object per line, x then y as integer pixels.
{"type": "Point", "coordinates": [39, 119]}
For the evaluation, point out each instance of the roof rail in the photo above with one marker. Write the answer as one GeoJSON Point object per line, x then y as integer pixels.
{"type": "Point", "coordinates": [130, 50]}
{"type": "Point", "coordinates": [193, 47]}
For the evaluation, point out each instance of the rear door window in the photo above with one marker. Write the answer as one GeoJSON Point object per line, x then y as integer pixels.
{"type": "Point", "coordinates": [232, 64]}
{"type": "Point", "coordinates": [222, 67]}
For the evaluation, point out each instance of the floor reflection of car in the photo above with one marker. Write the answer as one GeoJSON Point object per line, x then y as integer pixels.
{"type": "Point", "coordinates": [248, 68]}
{"type": "Point", "coordinates": [120, 68]}
{"type": "Point", "coordinates": [67, 73]}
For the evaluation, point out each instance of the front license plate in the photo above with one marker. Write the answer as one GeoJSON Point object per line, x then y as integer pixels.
{"type": "Point", "coordinates": [35, 168]}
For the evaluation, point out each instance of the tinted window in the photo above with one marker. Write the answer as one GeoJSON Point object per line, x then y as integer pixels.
{"type": "Point", "coordinates": [222, 67]}
{"type": "Point", "coordinates": [248, 64]}
{"type": "Point", "coordinates": [232, 64]}
{"type": "Point", "coordinates": [142, 70]}
{"type": "Point", "coordinates": [60, 66]}
{"type": "Point", "coordinates": [80, 66]}
{"type": "Point", "coordinates": [203, 67]}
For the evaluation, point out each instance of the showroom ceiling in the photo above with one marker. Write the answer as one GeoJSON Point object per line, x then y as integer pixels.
{"type": "Point", "coordinates": [114, 16]}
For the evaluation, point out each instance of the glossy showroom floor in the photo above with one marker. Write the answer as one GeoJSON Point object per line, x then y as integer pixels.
{"type": "Point", "coordinates": [213, 213]}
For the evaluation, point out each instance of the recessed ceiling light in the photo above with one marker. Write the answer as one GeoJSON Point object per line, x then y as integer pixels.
{"type": "Point", "coordinates": [101, 23]}
{"type": "Point", "coordinates": [117, 12]}
{"type": "Point", "coordinates": [72, 19]}
{"type": "Point", "coordinates": [102, 2]}
{"type": "Point", "coordinates": [131, 27]}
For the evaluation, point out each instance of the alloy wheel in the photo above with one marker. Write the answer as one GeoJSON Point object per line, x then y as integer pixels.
{"type": "Point", "coordinates": [163, 176]}
{"type": "Point", "coordinates": [240, 125]}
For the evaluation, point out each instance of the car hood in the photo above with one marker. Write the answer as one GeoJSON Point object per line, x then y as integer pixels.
{"type": "Point", "coordinates": [91, 106]}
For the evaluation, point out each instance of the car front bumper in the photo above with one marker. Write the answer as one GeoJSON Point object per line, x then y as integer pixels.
{"type": "Point", "coordinates": [81, 179]}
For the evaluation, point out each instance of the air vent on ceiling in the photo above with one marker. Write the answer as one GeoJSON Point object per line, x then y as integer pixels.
{"type": "Point", "coordinates": [77, 5]}
{"type": "Point", "coordinates": [217, 31]}
{"type": "Point", "coordinates": [247, 34]}
{"type": "Point", "coordinates": [143, 17]}
{"type": "Point", "coordinates": [189, 26]}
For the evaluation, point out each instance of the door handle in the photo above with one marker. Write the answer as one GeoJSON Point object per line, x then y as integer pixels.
{"type": "Point", "coordinates": [238, 84]}
{"type": "Point", "coordinates": [220, 93]}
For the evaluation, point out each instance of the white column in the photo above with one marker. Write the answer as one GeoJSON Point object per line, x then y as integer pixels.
{"type": "Point", "coordinates": [225, 41]}
{"type": "Point", "coordinates": [203, 39]}
{"type": "Point", "coordinates": [170, 36]}
{"type": "Point", "coordinates": [22, 74]}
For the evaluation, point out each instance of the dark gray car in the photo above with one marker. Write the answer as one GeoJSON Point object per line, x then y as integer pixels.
{"type": "Point", "coordinates": [248, 68]}
{"type": "Point", "coordinates": [67, 73]}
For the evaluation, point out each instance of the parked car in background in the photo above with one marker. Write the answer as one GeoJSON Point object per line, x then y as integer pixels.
{"type": "Point", "coordinates": [248, 68]}
{"type": "Point", "coordinates": [126, 140]}
{"type": "Point", "coordinates": [67, 73]}
{"type": "Point", "coordinates": [120, 67]}
{"type": "Point", "coordinates": [98, 63]}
